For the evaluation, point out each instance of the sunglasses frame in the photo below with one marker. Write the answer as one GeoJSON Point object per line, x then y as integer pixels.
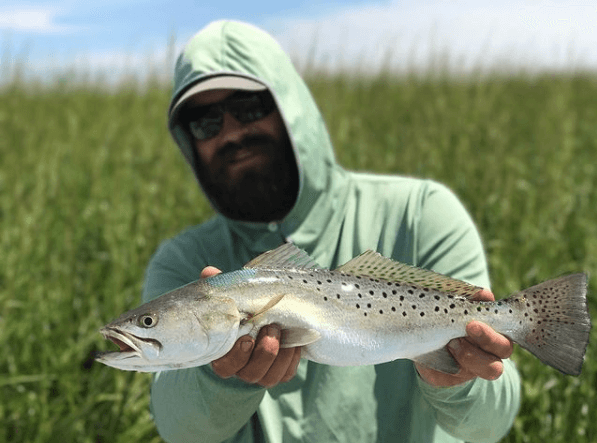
{"type": "Point", "coordinates": [239, 105]}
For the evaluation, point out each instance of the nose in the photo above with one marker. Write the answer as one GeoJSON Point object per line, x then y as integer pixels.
{"type": "Point", "coordinates": [232, 130]}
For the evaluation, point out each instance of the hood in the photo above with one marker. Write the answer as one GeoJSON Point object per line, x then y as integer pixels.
{"type": "Point", "coordinates": [239, 49]}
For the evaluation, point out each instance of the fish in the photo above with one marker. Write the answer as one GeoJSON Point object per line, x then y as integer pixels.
{"type": "Point", "coordinates": [369, 310]}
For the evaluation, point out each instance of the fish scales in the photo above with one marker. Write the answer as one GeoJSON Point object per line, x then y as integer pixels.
{"type": "Point", "coordinates": [369, 310]}
{"type": "Point", "coordinates": [363, 320]}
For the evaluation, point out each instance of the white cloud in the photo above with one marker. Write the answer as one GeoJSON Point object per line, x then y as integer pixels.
{"type": "Point", "coordinates": [537, 34]}
{"type": "Point", "coordinates": [37, 20]}
{"type": "Point", "coordinates": [403, 35]}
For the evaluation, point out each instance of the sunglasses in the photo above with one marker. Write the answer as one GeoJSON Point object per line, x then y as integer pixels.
{"type": "Point", "coordinates": [205, 122]}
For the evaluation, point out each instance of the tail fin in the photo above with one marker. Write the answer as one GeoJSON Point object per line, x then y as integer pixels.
{"type": "Point", "coordinates": [556, 323]}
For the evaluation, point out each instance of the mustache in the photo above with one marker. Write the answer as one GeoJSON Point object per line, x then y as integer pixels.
{"type": "Point", "coordinates": [228, 151]}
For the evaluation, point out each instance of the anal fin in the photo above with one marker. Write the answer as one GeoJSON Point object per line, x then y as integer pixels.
{"type": "Point", "coordinates": [440, 360]}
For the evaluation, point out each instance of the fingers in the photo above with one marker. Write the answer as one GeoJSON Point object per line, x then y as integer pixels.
{"type": "Point", "coordinates": [292, 367]}
{"type": "Point", "coordinates": [475, 362]}
{"type": "Point", "coordinates": [235, 359]}
{"type": "Point", "coordinates": [282, 369]}
{"type": "Point", "coordinates": [266, 350]}
{"type": "Point", "coordinates": [210, 271]}
{"type": "Point", "coordinates": [484, 295]}
{"type": "Point", "coordinates": [484, 337]}
{"type": "Point", "coordinates": [262, 362]}
{"type": "Point", "coordinates": [480, 353]}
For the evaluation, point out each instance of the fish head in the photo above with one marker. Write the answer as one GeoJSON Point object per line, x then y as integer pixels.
{"type": "Point", "coordinates": [172, 332]}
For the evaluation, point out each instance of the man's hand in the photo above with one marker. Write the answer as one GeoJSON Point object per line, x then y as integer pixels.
{"type": "Point", "coordinates": [260, 361]}
{"type": "Point", "coordinates": [479, 354]}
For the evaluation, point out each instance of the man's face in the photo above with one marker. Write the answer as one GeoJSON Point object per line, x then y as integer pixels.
{"type": "Point", "coordinates": [248, 169]}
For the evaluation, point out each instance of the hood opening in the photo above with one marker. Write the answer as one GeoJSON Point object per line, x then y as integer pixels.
{"type": "Point", "coordinates": [235, 49]}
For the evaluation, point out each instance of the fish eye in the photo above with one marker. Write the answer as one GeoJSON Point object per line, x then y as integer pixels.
{"type": "Point", "coordinates": [148, 321]}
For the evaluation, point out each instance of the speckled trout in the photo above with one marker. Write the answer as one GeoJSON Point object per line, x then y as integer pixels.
{"type": "Point", "coordinates": [370, 310]}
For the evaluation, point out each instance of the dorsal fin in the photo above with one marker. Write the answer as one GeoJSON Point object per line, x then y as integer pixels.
{"type": "Point", "coordinates": [285, 256]}
{"type": "Point", "coordinates": [373, 264]}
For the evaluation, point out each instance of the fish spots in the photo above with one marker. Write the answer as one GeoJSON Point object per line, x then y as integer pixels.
{"type": "Point", "coordinates": [325, 299]}
{"type": "Point", "coordinates": [422, 314]}
{"type": "Point", "coordinates": [437, 297]}
{"type": "Point", "coordinates": [338, 296]}
{"type": "Point", "coordinates": [347, 287]}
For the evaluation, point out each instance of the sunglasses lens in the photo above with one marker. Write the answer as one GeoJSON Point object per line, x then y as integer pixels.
{"type": "Point", "coordinates": [251, 107]}
{"type": "Point", "coordinates": [207, 125]}
{"type": "Point", "coordinates": [206, 122]}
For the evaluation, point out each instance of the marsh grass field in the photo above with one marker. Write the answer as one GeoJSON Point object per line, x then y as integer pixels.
{"type": "Point", "coordinates": [90, 183]}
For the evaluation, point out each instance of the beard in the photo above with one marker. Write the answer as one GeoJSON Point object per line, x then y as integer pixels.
{"type": "Point", "coordinates": [263, 193]}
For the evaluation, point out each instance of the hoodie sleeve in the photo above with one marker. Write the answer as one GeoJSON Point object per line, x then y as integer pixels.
{"type": "Point", "coordinates": [195, 405]}
{"type": "Point", "coordinates": [192, 405]}
{"type": "Point", "coordinates": [448, 242]}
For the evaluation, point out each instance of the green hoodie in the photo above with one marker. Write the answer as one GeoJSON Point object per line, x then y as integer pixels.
{"type": "Point", "coordinates": [338, 214]}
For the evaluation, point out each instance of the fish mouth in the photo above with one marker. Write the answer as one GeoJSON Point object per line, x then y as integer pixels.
{"type": "Point", "coordinates": [129, 344]}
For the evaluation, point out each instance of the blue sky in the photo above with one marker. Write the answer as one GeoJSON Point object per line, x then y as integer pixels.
{"type": "Point", "coordinates": [115, 36]}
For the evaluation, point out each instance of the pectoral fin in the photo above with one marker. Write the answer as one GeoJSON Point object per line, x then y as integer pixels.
{"type": "Point", "coordinates": [257, 315]}
{"type": "Point", "coordinates": [298, 337]}
{"type": "Point", "coordinates": [440, 360]}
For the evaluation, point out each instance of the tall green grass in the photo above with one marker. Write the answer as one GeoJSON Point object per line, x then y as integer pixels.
{"type": "Point", "coordinates": [90, 183]}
